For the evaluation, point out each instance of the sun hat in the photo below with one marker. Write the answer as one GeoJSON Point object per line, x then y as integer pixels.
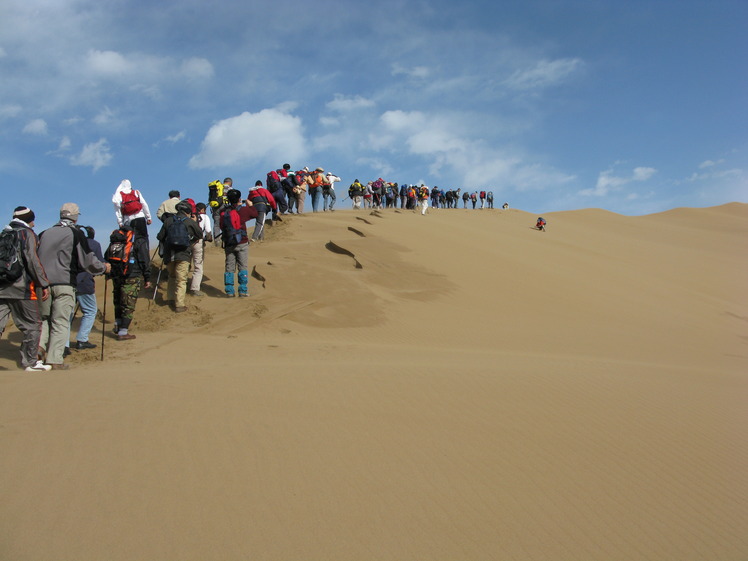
{"type": "Point", "coordinates": [70, 211]}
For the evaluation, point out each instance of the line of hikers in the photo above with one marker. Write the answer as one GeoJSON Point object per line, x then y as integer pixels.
{"type": "Point", "coordinates": [381, 194]}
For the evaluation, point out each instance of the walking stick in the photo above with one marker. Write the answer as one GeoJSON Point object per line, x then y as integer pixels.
{"type": "Point", "coordinates": [103, 318]}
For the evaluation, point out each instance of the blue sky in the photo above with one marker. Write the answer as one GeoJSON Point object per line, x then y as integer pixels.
{"type": "Point", "coordinates": [634, 107]}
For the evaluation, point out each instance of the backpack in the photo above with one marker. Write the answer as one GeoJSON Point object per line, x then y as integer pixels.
{"type": "Point", "coordinates": [298, 178]}
{"type": "Point", "coordinates": [177, 237]}
{"type": "Point", "coordinates": [130, 203]}
{"type": "Point", "coordinates": [482, 194]}
{"type": "Point", "coordinates": [473, 197]}
{"type": "Point", "coordinates": [231, 228]}
{"type": "Point", "coordinates": [215, 194]}
{"type": "Point", "coordinates": [11, 261]}
{"type": "Point", "coordinates": [119, 253]}
{"type": "Point", "coordinates": [273, 181]}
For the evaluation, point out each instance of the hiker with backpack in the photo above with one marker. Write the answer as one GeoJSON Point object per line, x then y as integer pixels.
{"type": "Point", "coordinates": [317, 181]}
{"type": "Point", "coordinates": [217, 201]}
{"type": "Point", "coordinates": [489, 199]}
{"type": "Point", "coordinates": [299, 190]}
{"type": "Point", "coordinates": [356, 193]}
{"type": "Point", "coordinates": [263, 202]}
{"type": "Point", "coordinates": [328, 191]}
{"type": "Point", "coordinates": [129, 204]}
{"type": "Point", "coordinates": [234, 220]}
{"type": "Point", "coordinates": [85, 294]}
{"type": "Point", "coordinates": [176, 237]}
{"type": "Point", "coordinates": [63, 251]}
{"type": "Point", "coordinates": [198, 248]}
{"type": "Point", "coordinates": [23, 283]}
{"type": "Point", "coordinates": [423, 198]}
{"type": "Point", "coordinates": [129, 257]}
{"type": "Point", "coordinates": [482, 196]}
{"type": "Point", "coordinates": [169, 205]}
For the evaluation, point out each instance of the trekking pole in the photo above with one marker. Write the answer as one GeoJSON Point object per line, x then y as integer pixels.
{"type": "Point", "coordinates": [103, 318]}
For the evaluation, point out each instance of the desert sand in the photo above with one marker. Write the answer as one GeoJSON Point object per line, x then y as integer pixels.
{"type": "Point", "coordinates": [456, 386]}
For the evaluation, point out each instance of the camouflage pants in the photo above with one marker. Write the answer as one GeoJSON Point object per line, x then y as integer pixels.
{"type": "Point", "coordinates": [125, 292]}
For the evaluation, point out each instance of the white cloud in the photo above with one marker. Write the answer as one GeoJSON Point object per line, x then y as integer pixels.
{"type": "Point", "coordinates": [642, 174]}
{"type": "Point", "coordinates": [173, 139]}
{"type": "Point", "coordinates": [344, 104]}
{"type": "Point", "coordinates": [95, 154]}
{"type": "Point", "coordinates": [37, 126]}
{"type": "Point", "coordinates": [65, 144]}
{"type": "Point", "coordinates": [710, 163]}
{"type": "Point", "coordinates": [9, 111]}
{"type": "Point", "coordinates": [419, 72]}
{"type": "Point", "coordinates": [544, 74]}
{"type": "Point", "coordinates": [197, 68]}
{"type": "Point", "coordinates": [269, 136]}
{"type": "Point", "coordinates": [104, 117]}
{"type": "Point", "coordinates": [109, 63]}
{"type": "Point", "coordinates": [607, 182]}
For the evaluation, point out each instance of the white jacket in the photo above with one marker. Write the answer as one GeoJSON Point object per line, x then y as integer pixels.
{"type": "Point", "coordinates": [126, 186]}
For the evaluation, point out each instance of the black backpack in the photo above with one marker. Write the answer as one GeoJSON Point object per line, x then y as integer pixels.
{"type": "Point", "coordinates": [177, 237]}
{"type": "Point", "coordinates": [119, 253]}
{"type": "Point", "coordinates": [11, 260]}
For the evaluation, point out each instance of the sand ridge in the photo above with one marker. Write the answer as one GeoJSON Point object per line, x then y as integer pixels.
{"type": "Point", "coordinates": [454, 386]}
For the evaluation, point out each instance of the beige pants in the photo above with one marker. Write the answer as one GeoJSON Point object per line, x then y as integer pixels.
{"type": "Point", "coordinates": [197, 265]}
{"type": "Point", "coordinates": [177, 287]}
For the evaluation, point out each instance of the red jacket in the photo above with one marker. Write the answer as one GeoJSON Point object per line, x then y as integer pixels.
{"type": "Point", "coordinates": [262, 195]}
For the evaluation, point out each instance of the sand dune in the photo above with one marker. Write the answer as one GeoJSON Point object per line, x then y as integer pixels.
{"type": "Point", "coordinates": [454, 386]}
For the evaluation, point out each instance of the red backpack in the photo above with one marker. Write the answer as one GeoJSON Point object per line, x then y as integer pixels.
{"type": "Point", "coordinates": [130, 203]}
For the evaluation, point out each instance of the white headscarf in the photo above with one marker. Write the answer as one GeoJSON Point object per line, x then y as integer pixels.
{"type": "Point", "coordinates": [124, 185]}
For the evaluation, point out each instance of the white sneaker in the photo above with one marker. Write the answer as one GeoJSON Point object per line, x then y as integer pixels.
{"type": "Point", "coordinates": [39, 367]}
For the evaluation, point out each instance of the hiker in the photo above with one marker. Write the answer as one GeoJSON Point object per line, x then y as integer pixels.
{"type": "Point", "coordinates": [299, 190]}
{"type": "Point", "coordinates": [263, 202]}
{"type": "Point", "coordinates": [198, 248]}
{"type": "Point", "coordinates": [275, 186]}
{"type": "Point", "coordinates": [489, 199]}
{"type": "Point", "coordinates": [423, 199]}
{"type": "Point", "coordinates": [435, 195]}
{"type": "Point", "coordinates": [63, 251]}
{"type": "Point", "coordinates": [316, 183]}
{"type": "Point", "coordinates": [177, 236]}
{"type": "Point", "coordinates": [465, 198]}
{"type": "Point", "coordinates": [133, 275]}
{"type": "Point", "coordinates": [540, 224]}
{"type": "Point", "coordinates": [289, 183]}
{"type": "Point", "coordinates": [328, 191]}
{"type": "Point", "coordinates": [356, 193]}
{"type": "Point", "coordinates": [129, 204]}
{"type": "Point", "coordinates": [217, 200]}
{"type": "Point", "coordinates": [85, 294]}
{"type": "Point", "coordinates": [505, 206]}
{"type": "Point", "coordinates": [482, 196]}
{"type": "Point", "coordinates": [403, 195]}
{"type": "Point", "coordinates": [236, 242]}
{"type": "Point", "coordinates": [376, 193]}
{"type": "Point", "coordinates": [169, 206]}
{"type": "Point", "coordinates": [19, 296]}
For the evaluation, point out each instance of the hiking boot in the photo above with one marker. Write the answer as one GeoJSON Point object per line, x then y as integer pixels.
{"type": "Point", "coordinates": [180, 309]}
{"type": "Point", "coordinates": [66, 353]}
{"type": "Point", "coordinates": [126, 337]}
{"type": "Point", "coordinates": [243, 294]}
{"type": "Point", "coordinates": [197, 293]}
{"type": "Point", "coordinates": [230, 295]}
{"type": "Point", "coordinates": [60, 366]}
{"type": "Point", "coordinates": [38, 367]}
{"type": "Point", "coordinates": [84, 345]}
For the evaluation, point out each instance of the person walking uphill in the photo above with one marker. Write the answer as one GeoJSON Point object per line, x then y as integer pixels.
{"type": "Point", "coordinates": [64, 252]}
{"type": "Point", "coordinates": [129, 204]}
{"type": "Point", "coordinates": [129, 254]}
{"type": "Point", "coordinates": [176, 236]}
{"type": "Point", "coordinates": [85, 295]}
{"type": "Point", "coordinates": [263, 202]}
{"type": "Point", "coordinates": [22, 284]}
{"type": "Point", "coordinates": [236, 243]}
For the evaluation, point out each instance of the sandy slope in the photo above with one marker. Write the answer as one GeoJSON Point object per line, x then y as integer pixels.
{"type": "Point", "coordinates": [455, 386]}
